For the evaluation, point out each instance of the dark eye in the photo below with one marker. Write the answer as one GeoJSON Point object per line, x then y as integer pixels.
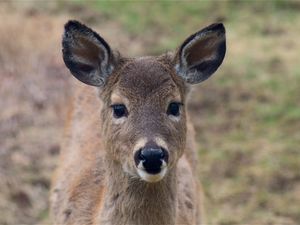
{"type": "Point", "coordinates": [119, 110]}
{"type": "Point", "coordinates": [174, 109]}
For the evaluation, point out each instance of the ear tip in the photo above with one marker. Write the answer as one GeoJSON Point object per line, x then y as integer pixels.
{"type": "Point", "coordinates": [74, 28]}
{"type": "Point", "coordinates": [73, 25]}
{"type": "Point", "coordinates": [217, 27]}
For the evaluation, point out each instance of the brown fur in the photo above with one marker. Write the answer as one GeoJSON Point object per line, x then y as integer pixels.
{"type": "Point", "coordinates": [97, 182]}
{"type": "Point", "coordinates": [78, 194]}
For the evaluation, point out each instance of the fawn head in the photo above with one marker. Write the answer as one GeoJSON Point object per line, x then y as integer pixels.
{"type": "Point", "coordinates": [143, 114]}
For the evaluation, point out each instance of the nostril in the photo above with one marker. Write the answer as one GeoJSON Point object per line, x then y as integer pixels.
{"type": "Point", "coordinates": [162, 154]}
{"type": "Point", "coordinates": [138, 157]}
{"type": "Point", "coordinates": [165, 155]}
{"type": "Point", "coordinates": [141, 156]}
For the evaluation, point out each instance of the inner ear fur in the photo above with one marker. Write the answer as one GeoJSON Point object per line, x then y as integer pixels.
{"type": "Point", "coordinates": [201, 54]}
{"type": "Point", "coordinates": [86, 54]}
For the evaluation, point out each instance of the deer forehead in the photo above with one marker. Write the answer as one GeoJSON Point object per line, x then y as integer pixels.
{"type": "Point", "coordinates": [145, 78]}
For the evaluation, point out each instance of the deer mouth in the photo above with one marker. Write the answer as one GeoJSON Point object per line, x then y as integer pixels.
{"type": "Point", "coordinates": [152, 177]}
{"type": "Point", "coordinates": [152, 174]}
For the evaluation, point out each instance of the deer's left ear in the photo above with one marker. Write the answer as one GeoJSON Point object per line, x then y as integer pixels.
{"type": "Point", "coordinates": [201, 54]}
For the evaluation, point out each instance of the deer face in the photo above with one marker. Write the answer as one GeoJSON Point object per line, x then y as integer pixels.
{"type": "Point", "coordinates": [145, 118]}
{"type": "Point", "coordinates": [143, 112]}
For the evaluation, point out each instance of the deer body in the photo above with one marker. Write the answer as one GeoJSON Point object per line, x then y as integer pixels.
{"type": "Point", "coordinates": [129, 155]}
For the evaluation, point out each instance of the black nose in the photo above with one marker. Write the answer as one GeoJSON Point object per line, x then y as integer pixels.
{"type": "Point", "coordinates": [152, 159]}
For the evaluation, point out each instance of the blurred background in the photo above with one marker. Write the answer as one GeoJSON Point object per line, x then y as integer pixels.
{"type": "Point", "coordinates": [247, 116]}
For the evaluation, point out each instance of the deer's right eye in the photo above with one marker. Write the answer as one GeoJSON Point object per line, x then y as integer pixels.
{"type": "Point", "coordinates": [119, 110]}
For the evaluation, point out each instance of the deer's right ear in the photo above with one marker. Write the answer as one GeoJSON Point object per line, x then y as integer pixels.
{"type": "Point", "coordinates": [86, 54]}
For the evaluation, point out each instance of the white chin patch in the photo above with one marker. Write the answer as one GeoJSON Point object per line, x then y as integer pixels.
{"type": "Point", "coordinates": [152, 178]}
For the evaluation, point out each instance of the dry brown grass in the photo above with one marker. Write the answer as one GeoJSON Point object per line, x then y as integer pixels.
{"type": "Point", "coordinates": [33, 88]}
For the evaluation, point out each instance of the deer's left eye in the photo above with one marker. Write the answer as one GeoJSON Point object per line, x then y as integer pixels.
{"type": "Point", "coordinates": [119, 110]}
{"type": "Point", "coordinates": [174, 109]}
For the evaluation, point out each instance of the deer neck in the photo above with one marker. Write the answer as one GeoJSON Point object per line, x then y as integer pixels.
{"type": "Point", "coordinates": [131, 201]}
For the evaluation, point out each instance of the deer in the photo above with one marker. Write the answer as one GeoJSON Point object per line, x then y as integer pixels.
{"type": "Point", "coordinates": [129, 154]}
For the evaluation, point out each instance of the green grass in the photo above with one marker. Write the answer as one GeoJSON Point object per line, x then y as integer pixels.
{"type": "Point", "coordinates": [159, 18]}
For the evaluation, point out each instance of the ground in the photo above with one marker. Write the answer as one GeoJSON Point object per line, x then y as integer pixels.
{"type": "Point", "coordinates": [247, 116]}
